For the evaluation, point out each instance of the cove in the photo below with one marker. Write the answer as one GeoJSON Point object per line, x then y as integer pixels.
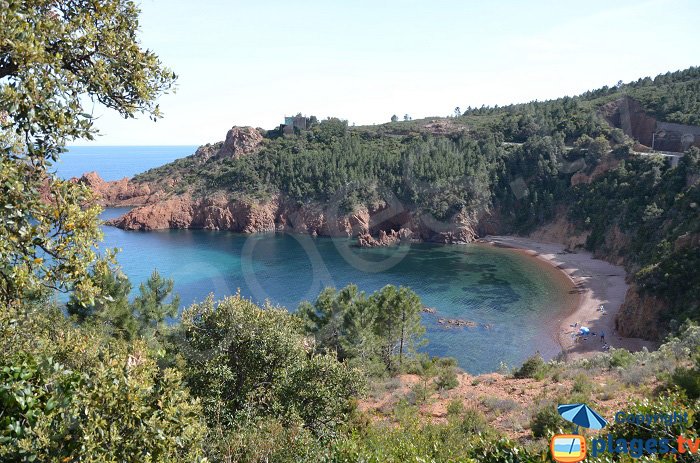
{"type": "Point", "coordinates": [516, 300]}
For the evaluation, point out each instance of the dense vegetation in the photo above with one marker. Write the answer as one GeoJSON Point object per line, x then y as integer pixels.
{"type": "Point", "coordinates": [238, 382]}
{"type": "Point", "coordinates": [104, 378]}
{"type": "Point", "coordinates": [658, 209]}
{"type": "Point", "coordinates": [512, 164]}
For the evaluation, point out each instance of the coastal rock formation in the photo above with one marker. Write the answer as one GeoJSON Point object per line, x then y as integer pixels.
{"type": "Point", "coordinates": [410, 226]}
{"type": "Point", "coordinates": [638, 316]}
{"type": "Point", "coordinates": [392, 238]}
{"type": "Point", "coordinates": [461, 229]}
{"type": "Point", "coordinates": [220, 212]}
{"type": "Point", "coordinates": [119, 193]}
{"type": "Point", "coordinates": [560, 230]}
{"type": "Point", "coordinates": [457, 322]}
{"type": "Point", "coordinates": [214, 213]}
{"type": "Point", "coordinates": [315, 219]}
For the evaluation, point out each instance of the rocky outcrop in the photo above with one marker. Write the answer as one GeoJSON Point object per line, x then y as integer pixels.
{"type": "Point", "coordinates": [407, 226]}
{"type": "Point", "coordinates": [638, 316]}
{"type": "Point", "coordinates": [239, 141]}
{"type": "Point", "coordinates": [120, 192]}
{"type": "Point", "coordinates": [220, 212]}
{"type": "Point", "coordinates": [614, 247]}
{"type": "Point", "coordinates": [607, 163]}
{"type": "Point", "coordinates": [315, 219]}
{"type": "Point", "coordinates": [560, 230]}
{"type": "Point", "coordinates": [460, 229]}
{"type": "Point", "coordinates": [214, 213]}
{"type": "Point", "coordinates": [392, 238]}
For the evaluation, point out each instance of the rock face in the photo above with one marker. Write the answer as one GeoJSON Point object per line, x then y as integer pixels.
{"type": "Point", "coordinates": [239, 141]}
{"type": "Point", "coordinates": [607, 163]}
{"type": "Point", "coordinates": [629, 115]}
{"type": "Point", "coordinates": [407, 226]}
{"type": "Point", "coordinates": [219, 212]}
{"type": "Point", "coordinates": [460, 229]}
{"type": "Point", "coordinates": [120, 192]}
{"type": "Point", "coordinates": [639, 315]}
{"type": "Point", "coordinates": [215, 213]}
{"type": "Point", "coordinates": [561, 231]}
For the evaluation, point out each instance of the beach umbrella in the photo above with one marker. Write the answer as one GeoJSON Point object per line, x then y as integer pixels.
{"type": "Point", "coordinates": [582, 415]}
{"type": "Point", "coordinates": [584, 330]}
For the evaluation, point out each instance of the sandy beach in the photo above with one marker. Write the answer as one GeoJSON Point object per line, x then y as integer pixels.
{"type": "Point", "coordinates": [597, 283]}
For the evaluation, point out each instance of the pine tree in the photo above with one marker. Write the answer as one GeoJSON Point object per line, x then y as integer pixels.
{"type": "Point", "coordinates": [150, 306]}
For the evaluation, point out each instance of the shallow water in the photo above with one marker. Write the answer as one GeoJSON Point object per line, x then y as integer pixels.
{"type": "Point", "coordinates": [513, 298]}
{"type": "Point", "coordinates": [516, 299]}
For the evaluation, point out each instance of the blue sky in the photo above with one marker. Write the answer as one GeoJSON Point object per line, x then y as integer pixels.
{"type": "Point", "coordinates": [252, 63]}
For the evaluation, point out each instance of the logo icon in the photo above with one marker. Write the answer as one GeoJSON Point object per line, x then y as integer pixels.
{"type": "Point", "coordinates": [568, 448]}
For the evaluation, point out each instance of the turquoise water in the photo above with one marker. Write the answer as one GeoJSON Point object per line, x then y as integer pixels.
{"type": "Point", "coordinates": [515, 301]}
{"type": "Point", "coordinates": [505, 292]}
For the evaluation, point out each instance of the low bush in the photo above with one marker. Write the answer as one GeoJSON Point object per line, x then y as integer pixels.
{"type": "Point", "coordinates": [499, 405]}
{"type": "Point", "coordinates": [582, 384]}
{"type": "Point", "coordinates": [447, 378]}
{"type": "Point", "coordinates": [532, 367]}
{"type": "Point", "coordinates": [687, 379]}
{"type": "Point", "coordinates": [473, 422]}
{"type": "Point", "coordinates": [621, 358]}
{"type": "Point", "coordinates": [455, 408]}
{"type": "Point", "coordinates": [546, 421]}
{"type": "Point", "coordinates": [420, 392]}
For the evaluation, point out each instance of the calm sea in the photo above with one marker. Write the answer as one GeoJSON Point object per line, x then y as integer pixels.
{"type": "Point", "coordinates": [515, 300]}
{"type": "Point", "coordinates": [116, 162]}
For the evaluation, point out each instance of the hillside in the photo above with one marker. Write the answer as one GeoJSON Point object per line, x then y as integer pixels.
{"type": "Point", "coordinates": [564, 170]}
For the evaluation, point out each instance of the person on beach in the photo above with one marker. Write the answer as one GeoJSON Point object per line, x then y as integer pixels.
{"type": "Point", "coordinates": [602, 336]}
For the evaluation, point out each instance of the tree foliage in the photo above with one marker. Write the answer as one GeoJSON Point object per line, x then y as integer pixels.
{"type": "Point", "coordinates": [55, 56]}
{"type": "Point", "coordinates": [71, 394]}
{"type": "Point", "coordinates": [385, 326]}
{"type": "Point", "coordinates": [246, 362]}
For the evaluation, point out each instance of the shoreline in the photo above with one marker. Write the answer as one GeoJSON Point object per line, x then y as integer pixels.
{"type": "Point", "coordinates": [596, 283]}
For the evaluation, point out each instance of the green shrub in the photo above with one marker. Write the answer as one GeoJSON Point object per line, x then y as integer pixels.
{"type": "Point", "coordinates": [499, 405]}
{"type": "Point", "coordinates": [244, 361]}
{"type": "Point", "coordinates": [420, 392]}
{"type": "Point", "coordinates": [688, 379]}
{"type": "Point", "coordinates": [532, 367]}
{"type": "Point", "coordinates": [621, 358]}
{"type": "Point", "coordinates": [264, 440]}
{"type": "Point", "coordinates": [582, 384]}
{"type": "Point", "coordinates": [455, 408]}
{"type": "Point", "coordinates": [122, 409]}
{"type": "Point", "coordinates": [546, 421]}
{"type": "Point", "coordinates": [447, 378]}
{"type": "Point", "coordinates": [473, 422]}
